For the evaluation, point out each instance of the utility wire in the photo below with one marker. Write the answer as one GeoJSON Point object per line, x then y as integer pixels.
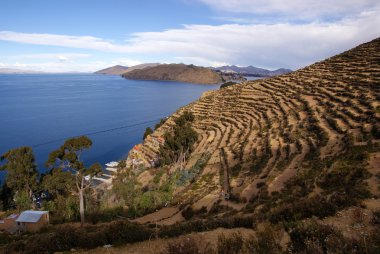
{"type": "Point", "coordinates": [96, 132]}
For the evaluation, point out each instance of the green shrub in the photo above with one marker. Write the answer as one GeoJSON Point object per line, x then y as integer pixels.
{"type": "Point", "coordinates": [147, 132]}
{"type": "Point", "coordinates": [227, 84]}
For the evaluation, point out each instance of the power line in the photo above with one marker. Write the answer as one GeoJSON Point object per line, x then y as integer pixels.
{"type": "Point", "coordinates": [96, 132]}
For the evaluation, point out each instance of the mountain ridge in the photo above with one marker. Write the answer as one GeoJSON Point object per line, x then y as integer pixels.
{"type": "Point", "coordinates": [252, 71]}
{"type": "Point", "coordinates": [176, 72]}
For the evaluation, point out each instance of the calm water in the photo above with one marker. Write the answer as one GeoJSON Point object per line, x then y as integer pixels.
{"type": "Point", "coordinates": [36, 109]}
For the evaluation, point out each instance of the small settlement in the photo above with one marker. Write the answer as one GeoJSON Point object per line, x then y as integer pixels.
{"type": "Point", "coordinates": [27, 221]}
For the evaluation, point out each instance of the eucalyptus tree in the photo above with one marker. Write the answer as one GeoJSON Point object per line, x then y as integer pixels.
{"type": "Point", "coordinates": [21, 174]}
{"type": "Point", "coordinates": [68, 159]}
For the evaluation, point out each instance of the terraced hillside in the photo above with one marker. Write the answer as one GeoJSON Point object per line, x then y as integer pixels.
{"type": "Point", "coordinates": [280, 135]}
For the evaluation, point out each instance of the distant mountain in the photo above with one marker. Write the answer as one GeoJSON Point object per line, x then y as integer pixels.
{"type": "Point", "coordinates": [176, 72]}
{"type": "Point", "coordinates": [119, 69]}
{"type": "Point", "coordinates": [252, 71]}
{"type": "Point", "coordinates": [17, 71]}
{"type": "Point", "coordinates": [114, 70]}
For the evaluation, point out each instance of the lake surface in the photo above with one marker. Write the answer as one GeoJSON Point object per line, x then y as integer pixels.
{"type": "Point", "coordinates": [43, 110]}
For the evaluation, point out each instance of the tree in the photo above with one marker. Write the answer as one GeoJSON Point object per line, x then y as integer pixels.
{"type": "Point", "coordinates": [179, 142]}
{"type": "Point", "coordinates": [67, 158]}
{"type": "Point", "coordinates": [147, 132]}
{"type": "Point", "coordinates": [58, 182]}
{"type": "Point", "coordinates": [22, 173]}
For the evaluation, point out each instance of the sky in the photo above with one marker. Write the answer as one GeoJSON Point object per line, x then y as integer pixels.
{"type": "Point", "coordinates": [88, 35]}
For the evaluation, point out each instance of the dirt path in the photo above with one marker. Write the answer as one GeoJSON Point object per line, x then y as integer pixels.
{"type": "Point", "coordinates": [159, 215]}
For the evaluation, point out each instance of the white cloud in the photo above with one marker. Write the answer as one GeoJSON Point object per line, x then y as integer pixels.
{"type": "Point", "coordinates": [295, 8]}
{"type": "Point", "coordinates": [263, 45]}
{"type": "Point", "coordinates": [50, 56]}
{"type": "Point", "coordinates": [63, 64]}
{"type": "Point", "coordinates": [57, 66]}
{"type": "Point", "coordinates": [88, 42]}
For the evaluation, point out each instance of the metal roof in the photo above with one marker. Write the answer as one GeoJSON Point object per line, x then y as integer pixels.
{"type": "Point", "coordinates": [31, 216]}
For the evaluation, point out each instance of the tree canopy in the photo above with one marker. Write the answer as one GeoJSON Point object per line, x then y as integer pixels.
{"type": "Point", "coordinates": [22, 172]}
{"type": "Point", "coordinates": [180, 141]}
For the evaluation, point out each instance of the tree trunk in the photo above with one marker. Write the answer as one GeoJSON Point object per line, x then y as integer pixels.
{"type": "Point", "coordinates": [81, 203]}
{"type": "Point", "coordinates": [30, 194]}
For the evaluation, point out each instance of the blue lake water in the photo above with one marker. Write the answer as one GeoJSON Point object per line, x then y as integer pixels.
{"type": "Point", "coordinates": [38, 109]}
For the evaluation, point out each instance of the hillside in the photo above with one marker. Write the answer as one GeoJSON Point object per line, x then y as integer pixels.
{"type": "Point", "coordinates": [293, 147]}
{"type": "Point", "coordinates": [252, 71]}
{"type": "Point", "coordinates": [114, 70]}
{"type": "Point", "coordinates": [176, 72]}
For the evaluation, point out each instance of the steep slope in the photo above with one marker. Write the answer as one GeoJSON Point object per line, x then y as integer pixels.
{"type": "Point", "coordinates": [176, 72]}
{"type": "Point", "coordinates": [296, 142]}
{"type": "Point", "coordinates": [114, 70]}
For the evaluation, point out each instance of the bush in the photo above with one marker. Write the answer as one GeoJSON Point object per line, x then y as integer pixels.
{"type": "Point", "coordinates": [182, 246]}
{"type": "Point", "coordinates": [227, 84]}
{"type": "Point", "coordinates": [312, 237]}
{"type": "Point", "coordinates": [205, 225]}
{"type": "Point", "coordinates": [106, 215]}
{"type": "Point", "coordinates": [266, 241]}
{"type": "Point", "coordinates": [67, 237]}
{"type": "Point", "coordinates": [147, 132]}
{"type": "Point", "coordinates": [230, 245]}
{"type": "Point", "coordinates": [188, 213]}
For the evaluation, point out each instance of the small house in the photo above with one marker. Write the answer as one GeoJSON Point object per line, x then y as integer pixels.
{"type": "Point", "coordinates": [32, 221]}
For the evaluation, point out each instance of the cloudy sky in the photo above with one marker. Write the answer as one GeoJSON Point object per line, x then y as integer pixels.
{"type": "Point", "coordinates": [87, 35]}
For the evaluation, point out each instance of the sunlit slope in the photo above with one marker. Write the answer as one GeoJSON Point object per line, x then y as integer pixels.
{"type": "Point", "coordinates": [274, 130]}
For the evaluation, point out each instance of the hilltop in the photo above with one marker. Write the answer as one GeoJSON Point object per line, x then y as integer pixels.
{"type": "Point", "coordinates": [176, 72]}
{"type": "Point", "coordinates": [114, 70]}
{"type": "Point", "coordinates": [252, 71]}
